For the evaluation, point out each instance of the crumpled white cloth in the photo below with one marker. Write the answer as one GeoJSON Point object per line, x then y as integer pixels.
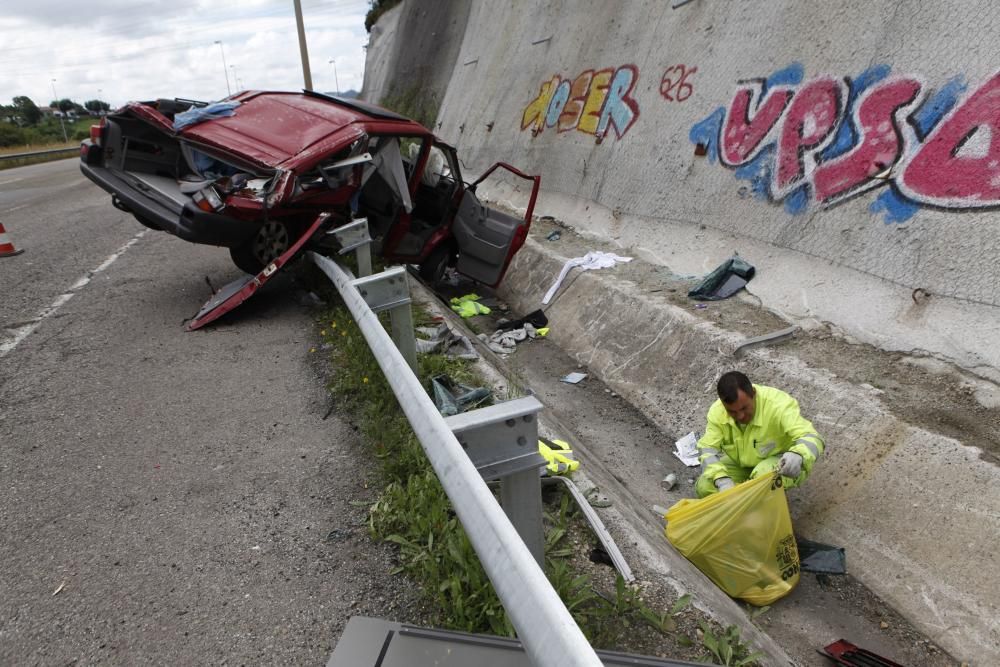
{"type": "Point", "coordinates": [504, 342]}
{"type": "Point", "coordinates": [592, 260]}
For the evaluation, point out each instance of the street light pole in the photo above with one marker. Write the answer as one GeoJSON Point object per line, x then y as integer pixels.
{"type": "Point", "coordinates": [335, 79]}
{"type": "Point", "coordinates": [303, 51]}
{"type": "Point", "coordinates": [62, 123]}
{"type": "Point", "coordinates": [236, 79]}
{"type": "Point", "coordinates": [225, 70]}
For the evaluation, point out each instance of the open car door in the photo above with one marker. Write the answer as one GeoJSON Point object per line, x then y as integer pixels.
{"type": "Point", "coordinates": [487, 239]}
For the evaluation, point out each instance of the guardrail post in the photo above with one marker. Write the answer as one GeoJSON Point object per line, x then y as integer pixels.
{"type": "Point", "coordinates": [502, 442]}
{"type": "Point", "coordinates": [389, 290]}
{"type": "Point", "coordinates": [354, 236]}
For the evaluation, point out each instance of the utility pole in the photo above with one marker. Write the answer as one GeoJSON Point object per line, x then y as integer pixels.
{"type": "Point", "coordinates": [62, 123]}
{"type": "Point", "coordinates": [303, 51]}
{"type": "Point", "coordinates": [335, 79]}
{"type": "Point", "coordinates": [225, 70]}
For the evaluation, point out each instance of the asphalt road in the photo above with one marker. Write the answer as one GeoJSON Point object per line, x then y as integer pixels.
{"type": "Point", "coordinates": [165, 497]}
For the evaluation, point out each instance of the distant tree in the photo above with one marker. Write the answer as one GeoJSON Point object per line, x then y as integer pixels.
{"type": "Point", "coordinates": [96, 105]}
{"type": "Point", "coordinates": [64, 105]}
{"type": "Point", "coordinates": [377, 8]}
{"type": "Point", "coordinates": [25, 111]}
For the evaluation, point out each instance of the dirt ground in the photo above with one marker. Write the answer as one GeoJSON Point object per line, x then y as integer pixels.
{"type": "Point", "coordinates": [609, 433]}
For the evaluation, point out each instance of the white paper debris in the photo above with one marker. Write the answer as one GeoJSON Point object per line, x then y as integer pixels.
{"type": "Point", "coordinates": [687, 450]}
{"type": "Point", "coordinates": [574, 378]}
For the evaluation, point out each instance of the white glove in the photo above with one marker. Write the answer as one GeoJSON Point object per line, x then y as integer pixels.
{"type": "Point", "coordinates": [724, 483]}
{"type": "Point", "coordinates": [790, 465]}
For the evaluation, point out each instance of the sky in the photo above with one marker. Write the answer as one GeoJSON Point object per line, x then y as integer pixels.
{"type": "Point", "coordinates": [122, 50]}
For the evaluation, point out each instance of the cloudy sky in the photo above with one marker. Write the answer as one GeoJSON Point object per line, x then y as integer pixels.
{"type": "Point", "coordinates": [121, 50]}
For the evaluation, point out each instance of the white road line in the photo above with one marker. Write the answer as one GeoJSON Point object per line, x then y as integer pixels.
{"type": "Point", "coordinates": [16, 208]}
{"type": "Point", "coordinates": [11, 180]}
{"type": "Point", "coordinates": [23, 331]}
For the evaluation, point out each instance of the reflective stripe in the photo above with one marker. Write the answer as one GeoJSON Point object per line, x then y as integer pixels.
{"type": "Point", "coordinates": [707, 461]}
{"type": "Point", "coordinates": [710, 450]}
{"type": "Point", "coordinates": [808, 444]}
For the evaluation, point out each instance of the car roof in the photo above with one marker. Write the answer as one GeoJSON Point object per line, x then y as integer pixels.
{"type": "Point", "coordinates": [288, 129]}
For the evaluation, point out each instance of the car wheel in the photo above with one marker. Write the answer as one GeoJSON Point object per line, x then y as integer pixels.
{"type": "Point", "coordinates": [432, 269]}
{"type": "Point", "coordinates": [269, 243]}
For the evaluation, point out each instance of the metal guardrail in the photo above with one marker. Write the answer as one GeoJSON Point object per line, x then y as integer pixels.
{"type": "Point", "coordinates": [51, 151]}
{"type": "Point", "coordinates": [502, 433]}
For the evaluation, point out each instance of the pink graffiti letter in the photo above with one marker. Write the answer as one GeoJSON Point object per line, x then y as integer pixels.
{"type": "Point", "coordinates": [879, 147]}
{"type": "Point", "coordinates": [742, 135]}
{"type": "Point", "coordinates": [620, 111]}
{"type": "Point", "coordinates": [811, 118]}
{"type": "Point", "coordinates": [958, 165]}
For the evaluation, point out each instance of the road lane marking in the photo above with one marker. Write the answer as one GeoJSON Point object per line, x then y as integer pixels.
{"type": "Point", "coordinates": [16, 208]}
{"type": "Point", "coordinates": [22, 331]}
{"type": "Point", "coordinates": [11, 180]}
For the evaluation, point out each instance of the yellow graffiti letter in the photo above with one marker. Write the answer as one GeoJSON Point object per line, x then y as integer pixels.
{"type": "Point", "coordinates": [595, 100]}
{"type": "Point", "coordinates": [534, 113]}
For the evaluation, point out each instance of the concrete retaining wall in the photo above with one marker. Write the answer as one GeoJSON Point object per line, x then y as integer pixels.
{"type": "Point", "coordinates": [848, 147]}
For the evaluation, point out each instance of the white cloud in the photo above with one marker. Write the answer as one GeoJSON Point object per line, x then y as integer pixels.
{"type": "Point", "coordinates": [125, 50]}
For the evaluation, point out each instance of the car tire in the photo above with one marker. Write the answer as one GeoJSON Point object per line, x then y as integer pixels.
{"type": "Point", "coordinates": [270, 242]}
{"type": "Point", "coordinates": [432, 269]}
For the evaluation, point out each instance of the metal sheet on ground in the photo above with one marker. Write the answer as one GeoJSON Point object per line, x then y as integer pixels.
{"type": "Point", "coordinates": [235, 293]}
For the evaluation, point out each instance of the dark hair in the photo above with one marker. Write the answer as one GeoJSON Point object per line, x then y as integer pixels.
{"type": "Point", "coordinates": [730, 383]}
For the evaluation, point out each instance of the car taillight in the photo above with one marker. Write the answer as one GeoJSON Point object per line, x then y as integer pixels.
{"type": "Point", "coordinates": [207, 200]}
{"type": "Point", "coordinates": [95, 132]}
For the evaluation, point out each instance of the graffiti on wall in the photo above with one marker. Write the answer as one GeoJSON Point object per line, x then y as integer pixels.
{"type": "Point", "coordinates": [595, 102]}
{"type": "Point", "coordinates": [819, 142]}
{"type": "Point", "coordinates": [674, 84]}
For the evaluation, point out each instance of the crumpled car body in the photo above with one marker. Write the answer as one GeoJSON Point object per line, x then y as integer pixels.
{"type": "Point", "coordinates": [255, 180]}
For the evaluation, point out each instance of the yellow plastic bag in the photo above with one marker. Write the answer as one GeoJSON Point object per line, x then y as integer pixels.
{"type": "Point", "coordinates": [741, 539]}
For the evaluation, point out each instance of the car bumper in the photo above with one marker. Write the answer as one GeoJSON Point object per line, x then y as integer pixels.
{"type": "Point", "coordinates": [187, 222]}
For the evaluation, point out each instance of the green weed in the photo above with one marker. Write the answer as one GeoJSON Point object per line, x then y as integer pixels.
{"type": "Point", "coordinates": [727, 648]}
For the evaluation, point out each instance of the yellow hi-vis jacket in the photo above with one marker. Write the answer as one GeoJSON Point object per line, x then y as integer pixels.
{"type": "Point", "coordinates": [776, 428]}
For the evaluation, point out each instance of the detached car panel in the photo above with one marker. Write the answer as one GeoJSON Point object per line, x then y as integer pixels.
{"type": "Point", "coordinates": [255, 180]}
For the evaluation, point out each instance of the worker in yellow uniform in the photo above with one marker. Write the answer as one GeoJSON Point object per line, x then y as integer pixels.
{"type": "Point", "coordinates": [754, 430]}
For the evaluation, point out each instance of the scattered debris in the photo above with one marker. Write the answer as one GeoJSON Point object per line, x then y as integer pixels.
{"type": "Point", "coordinates": [599, 500]}
{"type": "Point", "coordinates": [452, 397]}
{"type": "Point", "coordinates": [600, 556]}
{"type": "Point", "coordinates": [844, 652]}
{"type": "Point", "coordinates": [468, 306]}
{"type": "Point", "coordinates": [659, 511]}
{"type": "Point", "coordinates": [821, 558]}
{"type": "Point", "coordinates": [559, 456]}
{"type": "Point", "coordinates": [669, 482]}
{"type": "Point", "coordinates": [726, 280]}
{"type": "Point", "coordinates": [535, 318]}
{"type": "Point", "coordinates": [773, 337]}
{"type": "Point", "coordinates": [554, 235]}
{"type": "Point", "coordinates": [589, 262]}
{"type": "Point", "coordinates": [504, 342]}
{"type": "Point", "coordinates": [686, 449]}
{"type": "Point", "coordinates": [573, 378]}
{"type": "Point", "coordinates": [61, 586]}
{"type": "Point", "coordinates": [442, 340]}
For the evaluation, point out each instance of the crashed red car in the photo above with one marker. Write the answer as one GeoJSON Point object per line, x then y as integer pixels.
{"type": "Point", "coordinates": [253, 172]}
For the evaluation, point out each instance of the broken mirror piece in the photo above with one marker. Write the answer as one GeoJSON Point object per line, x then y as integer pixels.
{"type": "Point", "coordinates": [573, 378]}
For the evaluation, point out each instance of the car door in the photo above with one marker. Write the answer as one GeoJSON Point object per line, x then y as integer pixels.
{"type": "Point", "coordinates": [487, 238]}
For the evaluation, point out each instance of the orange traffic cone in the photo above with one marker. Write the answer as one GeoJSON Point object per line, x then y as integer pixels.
{"type": "Point", "coordinates": [6, 247]}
